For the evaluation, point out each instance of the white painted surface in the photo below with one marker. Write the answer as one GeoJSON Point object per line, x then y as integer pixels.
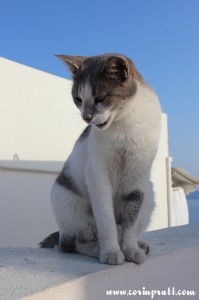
{"type": "Point", "coordinates": [38, 119]}
{"type": "Point", "coordinates": [184, 179]}
{"type": "Point", "coordinates": [38, 127]}
{"type": "Point", "coordinates": [179, 209]}
{"type": "Point", "coordinates": [48, 274]}
{"type": "Point", "coordinates": [160, 180]}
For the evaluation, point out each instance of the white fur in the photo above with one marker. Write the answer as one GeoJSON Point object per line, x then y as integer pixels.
{"type": "Point", "coordinates": [85, 91]}
{"type": "Point", "coordinates": [107, 165]}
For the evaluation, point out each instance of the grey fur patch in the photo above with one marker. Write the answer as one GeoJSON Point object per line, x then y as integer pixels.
{"type": "Point", "coordinates": [133, 205]}
{"type": "Point", "coordinates": [119, 219]}
{"type": "Point", "coordinates": [134, 196]}
{"type": "Point", "coordinates": [67, 243]}
{"type": "Point", "coordinates": [90, 210]}
{"type": "Point", "coordinates": [85, 133]}
{"type": "Point", "coordinates": [66, 181]}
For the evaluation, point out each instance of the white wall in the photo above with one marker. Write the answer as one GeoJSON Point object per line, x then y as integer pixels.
{"type": "Point", "coordinates": [37, 114]}
{"type": "Point", "coordinates": [159, 178]}
{"type": "Point", "coordinates": [38, 127]}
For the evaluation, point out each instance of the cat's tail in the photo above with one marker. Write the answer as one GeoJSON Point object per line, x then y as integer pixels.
{"type": "Point", "coordinates": [90, 248]}
{"type": "Point", "coordinates": [51, 241]}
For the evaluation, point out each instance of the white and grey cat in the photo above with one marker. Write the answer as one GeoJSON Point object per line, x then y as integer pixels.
{"type": "Point", "coordinates": [103, 198]}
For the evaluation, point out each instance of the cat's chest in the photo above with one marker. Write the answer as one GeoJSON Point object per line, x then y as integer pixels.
{"type": "Point", "coordinates": [125, 153]}
{"type": "Point", "coordinates": [120, 166]}
{"type": "Point", "coordinates": [127, 160]}
{"type": "Point", "coordinates": [120, 159]}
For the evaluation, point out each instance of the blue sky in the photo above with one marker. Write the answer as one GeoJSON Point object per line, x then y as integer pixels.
{"type": "Point", "coordinates": [160, 36]}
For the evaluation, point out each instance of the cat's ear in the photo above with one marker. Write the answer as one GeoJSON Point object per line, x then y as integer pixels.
{"type": "Point", "coordinates": [73, 62]}
{"type": "Point", "coordinates": [117, 67]}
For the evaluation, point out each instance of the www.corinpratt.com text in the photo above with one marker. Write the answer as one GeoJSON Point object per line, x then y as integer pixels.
{"type": "Point", "coordinates": [151, 293]}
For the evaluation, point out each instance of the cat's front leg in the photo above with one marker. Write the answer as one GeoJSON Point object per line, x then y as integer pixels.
{"type": "Point", "coordinates": [100, 192]}
{"type": "Point", "coordinates": [132, 251]}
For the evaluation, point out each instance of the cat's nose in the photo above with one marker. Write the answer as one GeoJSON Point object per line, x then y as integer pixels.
{"type": "Point", "coordinates": [87, 117]}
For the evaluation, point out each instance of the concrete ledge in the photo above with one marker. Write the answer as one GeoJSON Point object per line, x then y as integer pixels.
{"type": "Point", "coordinates": [48, 274]}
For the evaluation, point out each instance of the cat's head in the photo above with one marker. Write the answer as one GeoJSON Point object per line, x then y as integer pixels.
{"type": "Point", "coordinates": [102, 86]}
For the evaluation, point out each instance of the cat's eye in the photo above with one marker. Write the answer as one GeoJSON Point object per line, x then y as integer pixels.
{"type": "Point", "coordinates": [78, 100]}
{"type": "Point", "coordinates": [99, 99]}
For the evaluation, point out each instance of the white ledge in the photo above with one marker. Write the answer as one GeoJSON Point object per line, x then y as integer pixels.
{"type": "Point", "coordinates": [49, 167]}
{"type": "Point", "coordinates": [48, 274]}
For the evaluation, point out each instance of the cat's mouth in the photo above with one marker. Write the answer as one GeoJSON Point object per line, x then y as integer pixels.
{"type": "Point", "coordinates": [103, 124]}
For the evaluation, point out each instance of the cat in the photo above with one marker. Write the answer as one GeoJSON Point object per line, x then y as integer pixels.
{"type": "Point", "coordinates": [103, 198]}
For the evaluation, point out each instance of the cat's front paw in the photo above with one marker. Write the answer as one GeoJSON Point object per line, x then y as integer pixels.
{"type": "Point", "coordinates": [112, 257]}
{"type": "Point", "coordinates": [135, 255]}
{"type": "Point", "coordinates": [145, 246]}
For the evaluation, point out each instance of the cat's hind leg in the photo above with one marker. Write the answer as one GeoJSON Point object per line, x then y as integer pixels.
{"type": "Point", "coordinates": [88, 248]}
{"type": "Point", "coordinates": [74, 218]}
{"type": "Point", "coordinates": [144, 245]}
{"type": "Point", "coordinates": [87, 244]}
